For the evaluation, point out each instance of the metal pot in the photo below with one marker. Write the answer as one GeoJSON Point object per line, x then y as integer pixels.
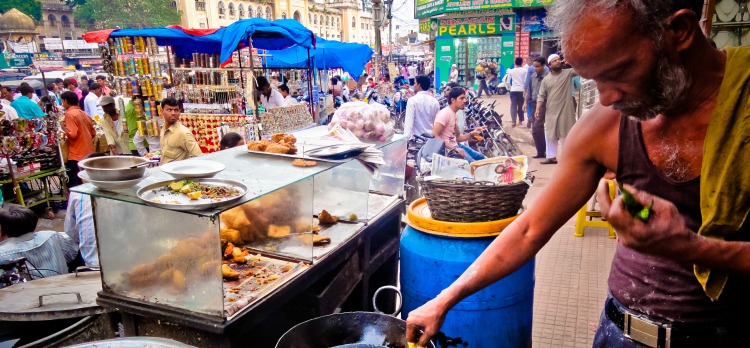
{"type": "Point", "coordinates": [114, 168]}
{"type": "Point", "coordinates": [351, 329]}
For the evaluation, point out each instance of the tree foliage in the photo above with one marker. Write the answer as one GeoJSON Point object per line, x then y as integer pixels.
{"type": "Point", "coordinates": [33, 8]}
{"type": "Point", "coordinates": [106, 14]}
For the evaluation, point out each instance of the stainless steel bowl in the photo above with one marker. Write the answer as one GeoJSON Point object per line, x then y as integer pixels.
{"type": "Point", "coordinates": [113, 168]}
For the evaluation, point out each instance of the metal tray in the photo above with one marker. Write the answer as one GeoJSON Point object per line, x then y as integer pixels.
{"type": "Point", "coordinates": [148, 194]}
{"type": "Point", "coordinates": [299, 154]}
{"type": "Point", "coordinates": [337, 152]}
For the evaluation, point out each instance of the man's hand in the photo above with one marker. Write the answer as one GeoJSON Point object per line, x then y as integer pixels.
{"type": "Point", "coordinates": [665, 234]}
{"type": "Point", "coordinates": [478, 130]}
{"type": "Point", "coordinates": [424, 322]}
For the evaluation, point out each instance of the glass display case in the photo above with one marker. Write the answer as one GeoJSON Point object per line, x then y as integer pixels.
{"type": "Point", "coordinates": [218, 262]}
{"type": "Point", "coordinates": [389, 178]}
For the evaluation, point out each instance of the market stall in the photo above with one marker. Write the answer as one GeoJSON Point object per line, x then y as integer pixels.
{"type": "Point", "coordinates": [210, 68]}
{"type": "Point", "coordinates": [31, 162]}
{"type": "Point", "coordinates": [289, 259]}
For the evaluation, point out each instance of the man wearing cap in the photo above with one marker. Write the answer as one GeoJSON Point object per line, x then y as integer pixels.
{"type": "Point", "coordinates": [556, 105]}
{"type": "Point", "coordinates": [71, 84]}
{"type": "Point", "coordinates": [113, 137]}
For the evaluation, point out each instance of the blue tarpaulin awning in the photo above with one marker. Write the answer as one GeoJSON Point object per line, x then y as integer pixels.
{"type": "Point", "coordinates": [350, 57]}
{"type": "Point", "coordinates": [265, 34]}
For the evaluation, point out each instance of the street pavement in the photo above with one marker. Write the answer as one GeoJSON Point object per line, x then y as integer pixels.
{"type": "Point", "coordinates": [571, 272]}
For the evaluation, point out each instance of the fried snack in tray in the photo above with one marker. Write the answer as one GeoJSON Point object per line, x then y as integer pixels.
{"type": "Point", "coordinates": [280, 143]}
{"type": "Point", "coordinates": [303, 163]}
{"type": "Point", "coordinates": [326, 218]}
{"type": "Point", "coordinates": [279, 148]}
{"type": "Point", "coordinates": [188, 262]}
{"type": "Point", "coordinates": [279, 231]}
{"type": "Point", "coordinates": [257, 277]}
{"type": "Point", "coordinates": [254, 218]}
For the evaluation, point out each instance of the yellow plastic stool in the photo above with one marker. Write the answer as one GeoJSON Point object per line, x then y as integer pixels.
{"type": "Point", "coordinates": [582, 222]}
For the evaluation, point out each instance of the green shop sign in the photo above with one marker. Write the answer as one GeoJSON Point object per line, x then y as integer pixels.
{"type": "Point", "coordinates": [426, 8]}
{"type": "Point", "coordinates": [476, 26]}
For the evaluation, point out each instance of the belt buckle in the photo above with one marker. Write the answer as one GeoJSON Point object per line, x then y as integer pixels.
{"type": "Point", "coordinates": [645, 332]}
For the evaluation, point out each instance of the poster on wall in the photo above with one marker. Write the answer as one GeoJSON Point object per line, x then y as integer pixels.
{"type": "Point", "coordinates": [533, 20]}
{"type": "Point", "coordinates": [522, 44]}
{"type": "Point", "coordinates": [427, 8]}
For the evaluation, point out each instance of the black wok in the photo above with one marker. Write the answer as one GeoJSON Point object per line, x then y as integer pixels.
{"type": "Point", "coordinates": [349, 330]}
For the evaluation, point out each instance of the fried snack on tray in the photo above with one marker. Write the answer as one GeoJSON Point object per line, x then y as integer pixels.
{"type": "Point", "coordinates": [326, 218]}
{"type": "Point", "coordinates": [256, 146]}
{"type": "Point", "coordinates": [238, 255]}
{"type": "Point", "coordinates": [302, 163]}
{"type": "Point", "coordinates": [279, 231]}
{"type": "Point", "coordinates": [231, 235]}
{"type": "Point", "coordinates": [278, 148]}
{"type": "Point", "coordinates": [228, 273]}
{"type": "Point", "coordinates": [283, 138]}
{"type": "Point", "coordinates": [280, 143]}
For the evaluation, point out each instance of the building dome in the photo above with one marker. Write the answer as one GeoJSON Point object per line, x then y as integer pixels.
{"type": "Point", "coordinates": [15, 20]}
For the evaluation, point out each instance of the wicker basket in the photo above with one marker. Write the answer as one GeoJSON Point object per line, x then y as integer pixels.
{"type": "Point", "coordinates": [473, 201]}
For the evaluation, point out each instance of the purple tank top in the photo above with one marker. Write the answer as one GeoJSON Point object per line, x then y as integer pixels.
{"type": "Point", "coordinates": [659, 288]}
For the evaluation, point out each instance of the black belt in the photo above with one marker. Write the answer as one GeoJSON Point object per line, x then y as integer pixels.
{"type": "Point", "coordinates": [655, 335]}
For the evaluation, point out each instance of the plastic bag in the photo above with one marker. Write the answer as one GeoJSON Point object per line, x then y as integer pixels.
{"type": "Point", "coordinates": [369, 122]}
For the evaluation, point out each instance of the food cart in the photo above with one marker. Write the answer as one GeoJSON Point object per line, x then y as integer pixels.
{"type": "Point", "coordinates": [162, 268]}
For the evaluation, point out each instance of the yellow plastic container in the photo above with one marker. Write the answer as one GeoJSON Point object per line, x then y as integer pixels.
{"type": "Point", "coordinates": [418, 217]}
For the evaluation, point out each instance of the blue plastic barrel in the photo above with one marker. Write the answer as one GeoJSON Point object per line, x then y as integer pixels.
{"type": "Point", "coordinates": [498, 316]}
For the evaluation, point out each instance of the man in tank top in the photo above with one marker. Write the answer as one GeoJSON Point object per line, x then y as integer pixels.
{"type": "Point", "coordinates": [649, 128]}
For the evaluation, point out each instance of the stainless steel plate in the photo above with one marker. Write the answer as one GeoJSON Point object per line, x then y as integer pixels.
{"type": "Point", "coordinates": [113, 185]}
{"type": "Point", "coordinates": [192, 168]}
{"type": "Point", "coordinates": [169, 199]}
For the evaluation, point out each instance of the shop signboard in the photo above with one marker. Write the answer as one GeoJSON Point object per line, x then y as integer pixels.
{"type": "Point", "coordinates": [426, 8]}
{"type": "Point", "coordinates": [476, 26]}
{"type": "Point", "coordinates": [531, 3]}
{"type": "Point", "coordinates": [522, 44]}
{"type": "Point", "coordinates": [424, 25]}
{"type": "Point", "coordinates": [49, 61]}
{"type": "Point", "coordinates": [474, 5]}
{"type": "Point", "coordinates": [18, 60]}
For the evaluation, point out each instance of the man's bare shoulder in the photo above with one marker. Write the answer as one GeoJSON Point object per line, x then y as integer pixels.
{"type": "Point", "coordinates": [596, 135]}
